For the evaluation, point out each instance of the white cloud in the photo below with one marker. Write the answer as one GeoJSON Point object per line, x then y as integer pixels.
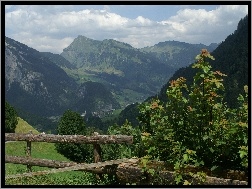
{"type": "Point", "coordinates": [53, 28]}
{"type": "Point", "coordinates": [195, 25]}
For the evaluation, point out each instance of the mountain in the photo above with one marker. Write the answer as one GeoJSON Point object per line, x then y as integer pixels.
{"type": "Point", "coordinates": [91, 77]}
{"type": "Point", "coordinates": [132, 74]}
{"type": "Point", "coordinates": [119, 66]}
{"type": "Point", "coordinates": [231, 58]}
{"type": "Point", "coordinates": [33, 82]}
{"type": "Point", "coordinates": [98, 100]}
{"type": "Point", "coordinates": [58, 60]}
{"type": "Point", "coordinates": [38, 88]}
{"type": "Point", "coordinates": [177, 54]}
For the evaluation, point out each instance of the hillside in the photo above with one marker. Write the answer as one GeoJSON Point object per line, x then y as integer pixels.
{"type": "Point", "coordinates": [33, 83]}
{"type": "Point", "coordinates": [58, 60]}
{"type": "Point", "coordinates": [24, 127]}
{"type": "Point", "coordinates": [177, 54]}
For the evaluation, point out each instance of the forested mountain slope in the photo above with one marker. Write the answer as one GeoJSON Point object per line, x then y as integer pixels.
{"type": "Point", "coordinates": [231, 58]}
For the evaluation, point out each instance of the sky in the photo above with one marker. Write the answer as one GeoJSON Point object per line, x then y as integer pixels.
{"type": "Point", "coordinates": [51, 28]}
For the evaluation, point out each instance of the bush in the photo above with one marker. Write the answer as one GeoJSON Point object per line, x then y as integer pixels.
{"type": "Point", "coordinates": [71, 123]}
{"type": "Point", "coordinates": [10, 118]}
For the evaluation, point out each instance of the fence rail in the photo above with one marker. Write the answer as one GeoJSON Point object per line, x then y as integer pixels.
{"type": "Point", "coordinates": [38, 162]}
{"type": "Point", "coordinates": [92, 167]}
{"type": "Point", "coordinates": [95, 139]}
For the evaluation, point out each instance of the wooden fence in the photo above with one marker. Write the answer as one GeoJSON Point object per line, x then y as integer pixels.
{"type": "Point", "coordinates": [95, 139]}
{"type": "Point", "coordinates": [126, 170]}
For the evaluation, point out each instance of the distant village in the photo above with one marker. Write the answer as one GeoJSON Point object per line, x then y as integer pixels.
{"type": "Point", "coordinates": [102, 111]}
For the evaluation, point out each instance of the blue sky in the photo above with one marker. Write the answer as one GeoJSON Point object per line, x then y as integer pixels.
{"type": "Point", "coordinates": [52, 28]}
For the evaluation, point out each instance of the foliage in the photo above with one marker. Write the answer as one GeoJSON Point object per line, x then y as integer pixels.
{"type": "Point", "coordinates": [10, 118]}
{"type": "Point", "coordinates": [65, 178]}
{"type": "Point", "coordinates": [71, 123]}
{"type": "Point", "coordinates": [195, 126]}
{"type": "Point", "coordinates": [117, 151]}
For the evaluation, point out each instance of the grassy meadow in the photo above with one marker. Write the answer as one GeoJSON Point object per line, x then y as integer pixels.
{"type": "Point", "coordinates": [45, 151]}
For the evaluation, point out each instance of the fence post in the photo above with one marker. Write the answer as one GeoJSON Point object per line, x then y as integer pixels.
{"type": "Point", "coordinates": [97, 155]}
{"type": "Point", "coordinates": [28, 152]}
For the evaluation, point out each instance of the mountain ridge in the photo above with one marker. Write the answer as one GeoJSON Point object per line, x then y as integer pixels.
{"type": "Point", "coordinates": [47, 84]}
{"type": "Point", "coordinates": [122, 67]}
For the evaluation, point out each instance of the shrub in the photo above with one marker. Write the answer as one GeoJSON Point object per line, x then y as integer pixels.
{"type": "Point", "coordinates": [196, 119]}
{"type": "Point", "coordinates": [71, 123]}
{"type": "Point", "coordinates": [10, 118]}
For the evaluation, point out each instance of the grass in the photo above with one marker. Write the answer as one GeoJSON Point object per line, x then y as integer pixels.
{"type": "Point", "coordinates": [41, 150]}
{"type": "Point", "coordinates": [24, 127]}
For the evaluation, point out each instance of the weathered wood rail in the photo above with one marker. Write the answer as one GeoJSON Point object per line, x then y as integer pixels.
{"type": "Point", "coordinates": [38, 162]}
{"type": "Point", "coordinates": [100, 167]}
{"type": "Point", "coordinates": [95, 139]}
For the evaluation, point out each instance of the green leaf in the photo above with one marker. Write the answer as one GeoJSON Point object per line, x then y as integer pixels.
{"type": "Point", "coordinates": [187, 183]}
{"type": "Point", "coordinates": [151, 171]}
{"type": "Point", "coordinates": [199, 163]}
{"type": "Point", "coordinates": [178, 179]}
{"type": "Point", "coordinates": [211, 57]}
{"type": "Point", "coordinates": [198, 57]}
{"type": "Point", "coordinates": [185, 157]}
{"type": "Point", "coordinates": [214, 167]}
{"type": "Point", "coordinates": [206, 69]}
{"type": "Point", "coordinates": [144, 161]}
{"type": "Point", "coordinates": [205, 137]}
{"type": "Point", "coordinates": [242, 153]}
{"type": "Point", "coordinates": [177, 165]}
{"type": "Point", "coordinates": [166, 137]}
{"type": "Point", "coordinates": [211, 149]}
